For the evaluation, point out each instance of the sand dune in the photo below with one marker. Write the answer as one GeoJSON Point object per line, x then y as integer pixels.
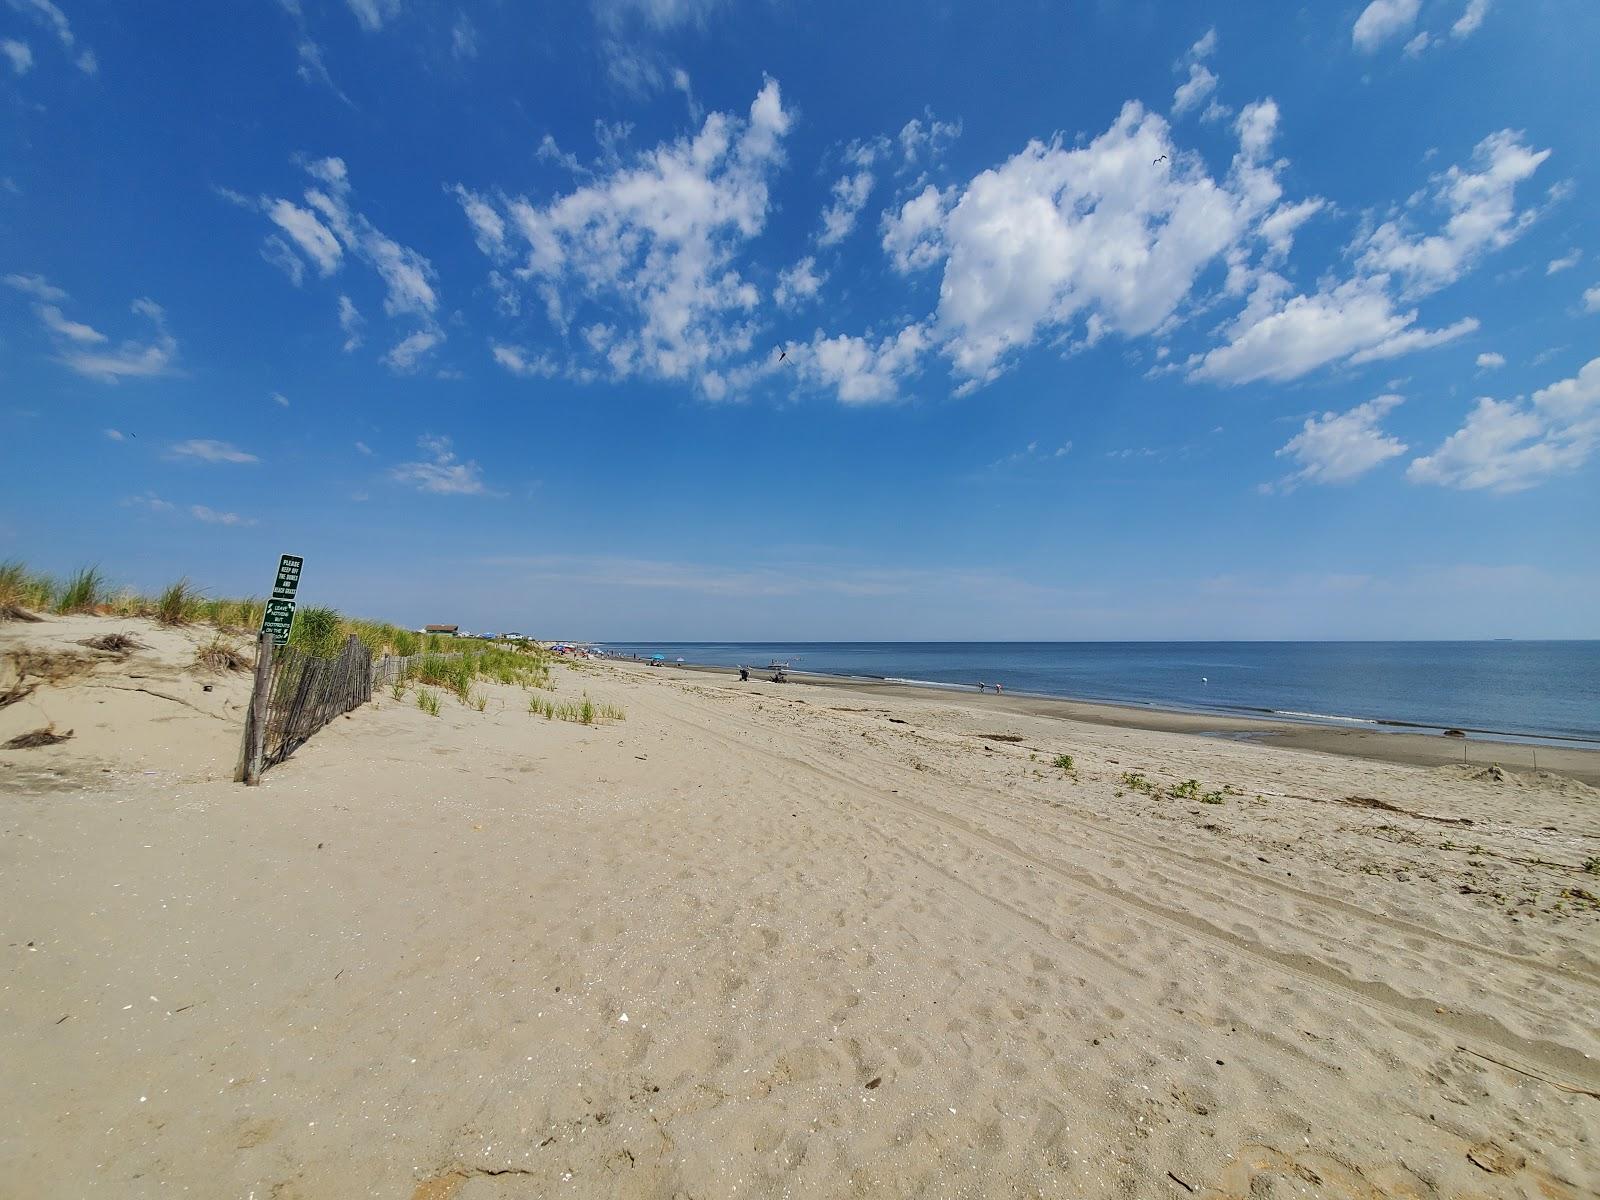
{"type": "Point", "coordinates": [760, 940]}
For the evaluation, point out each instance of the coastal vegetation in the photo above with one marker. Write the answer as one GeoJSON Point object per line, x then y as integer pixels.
{"type": "Point", "coordinates": [317, 630]}
{"type": "Point", "coordinates": [586, 712]}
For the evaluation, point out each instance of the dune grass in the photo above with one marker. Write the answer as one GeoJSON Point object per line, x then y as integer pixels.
{"type": "Point", "coordinates": [179, 603]}
{"type": "Point", "coordinates": [84, 590]}
{"type": "Point", "coordinates": [318, 630]}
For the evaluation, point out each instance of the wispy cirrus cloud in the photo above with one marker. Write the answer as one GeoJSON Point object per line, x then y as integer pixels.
{"type": "Point", "coordinates": [210, 450]}
{"type": "Point", "coordinates": [324, 230]}
{"type": "Point", "coordinates": [86, 350]}
{"type": "Point", "coordinates": [152, 503]}
{"type": "Point", "coordinates": [50, 17]}
{"type": "Point", "coordinates": [18, 54]}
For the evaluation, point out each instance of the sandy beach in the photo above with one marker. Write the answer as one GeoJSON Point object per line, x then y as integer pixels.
{"type": "Point", "coordinates": [762, 940]}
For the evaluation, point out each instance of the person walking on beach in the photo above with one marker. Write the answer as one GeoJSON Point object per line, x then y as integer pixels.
{"type": "Point", "coordinates": [998, 689]}
{"type": "Point", "coordinates": [744, 674]}
{"type": "Point", "coordinates": [981, 686]}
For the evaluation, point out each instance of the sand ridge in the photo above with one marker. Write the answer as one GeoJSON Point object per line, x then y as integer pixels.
{"type": "Point", "coordinates": [788, 941]}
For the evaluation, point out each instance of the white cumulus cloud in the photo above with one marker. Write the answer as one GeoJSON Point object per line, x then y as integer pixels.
{"type": "Point", "coordinates": [1483, 216]}
{"type": "Point", "coordinates": [1194, 90]}
{"type": "Point", "coordinates": [1111, 232]}
{"type": "Point", "coordinates": [654, 241]}
{"type": "Point", "coordinates": [861, 371]}
{"type": "Point", "coordinates": [798, 284]}
{"type": "Point", "coordinates": [850, 194]}
{"type": "Point", "coordinates": [1341, 447]}
{"type": "Point", "coordinates": [1512, 445]}
{"type": "Point", "coordinates": [1467, 23]}
{"type": "Point", "coordinates": [1381, 21]}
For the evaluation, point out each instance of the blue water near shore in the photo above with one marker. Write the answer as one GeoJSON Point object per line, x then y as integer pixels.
{"type": "Point", "coordinates": [1522, 689]}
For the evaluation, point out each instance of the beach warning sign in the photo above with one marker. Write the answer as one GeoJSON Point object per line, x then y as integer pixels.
{"type": "Point", "coordinates": [280, 606]}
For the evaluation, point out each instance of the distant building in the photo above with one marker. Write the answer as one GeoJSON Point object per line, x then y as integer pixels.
{"type": "Point", "coordinates": [446, 630]}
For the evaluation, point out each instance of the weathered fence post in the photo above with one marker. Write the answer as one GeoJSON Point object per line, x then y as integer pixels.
{"type": "Point", "coordinates": [255, 718]}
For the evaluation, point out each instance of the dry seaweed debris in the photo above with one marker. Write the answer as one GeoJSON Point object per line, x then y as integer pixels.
{"type": "Point", "coordinates": [17, 691]}
{"type": "Point", "coordinates": [115, 643]}
{"type": "Point", "coordinates": [15, 612]}
{"type": "Point", "coordinates": [217, 655]}
{"type": "Point", "coordinates": [38, 737]}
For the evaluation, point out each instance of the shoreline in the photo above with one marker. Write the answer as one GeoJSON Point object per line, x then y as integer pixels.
{"type": "Point", "coordinates": [1385, 744]}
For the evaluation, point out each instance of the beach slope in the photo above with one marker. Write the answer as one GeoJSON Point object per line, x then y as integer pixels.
{"type": "Point", "coordinates": [769, 940]}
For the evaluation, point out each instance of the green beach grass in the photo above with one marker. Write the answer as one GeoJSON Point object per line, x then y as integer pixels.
{"type": "Point", "coordinates": [317, 630]}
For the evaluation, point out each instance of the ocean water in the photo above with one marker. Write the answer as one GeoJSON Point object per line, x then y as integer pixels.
{"type": "Point", "coordinates": [1524, 689]}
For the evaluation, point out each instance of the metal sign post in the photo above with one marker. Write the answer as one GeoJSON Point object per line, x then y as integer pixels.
{"type": "Point", "coordinates": [279, 615]}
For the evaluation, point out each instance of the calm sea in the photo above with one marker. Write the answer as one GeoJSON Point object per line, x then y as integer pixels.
{"type": "Point", "coordinates": [1528, 689]}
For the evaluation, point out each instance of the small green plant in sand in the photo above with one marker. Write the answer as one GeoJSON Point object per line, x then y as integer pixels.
{"type": "Point", "coordinates": [1211, 798]}
{"type": "Point", "coordinates": [1134, 781]}
{"type": "Point", "coordinates": [1189, 789]}
{"type": "Point", "coordinates": [1063, 762]}
{"type": "Point", "coordinates": [478, 701]}
{"type": "Point", "coordinates": [1592, 865]}
{"type": "Point", "coordinates": [85, 589]}
{"type": "Point", "coordinates": [428, 701]}
{"type": "Point", "coordinates": [586, 712]}
{"type": "Point", "coordinates": [397, 688]}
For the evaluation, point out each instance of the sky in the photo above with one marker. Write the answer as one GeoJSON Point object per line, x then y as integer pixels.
{"type": "Point", "coordinates": [751, 319]}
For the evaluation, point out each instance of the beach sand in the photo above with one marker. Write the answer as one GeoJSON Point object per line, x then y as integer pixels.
{"type": "Point", "coordinates": [772, 940]}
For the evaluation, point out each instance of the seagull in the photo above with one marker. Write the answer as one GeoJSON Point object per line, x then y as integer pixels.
{"type": "Point", "coordinates": [1154, 161]}
{"type": "Point", "coordinates": [782, 353]}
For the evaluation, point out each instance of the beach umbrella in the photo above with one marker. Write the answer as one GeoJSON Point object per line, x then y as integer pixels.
{"type": "Point", "coordinates": [656, 658]}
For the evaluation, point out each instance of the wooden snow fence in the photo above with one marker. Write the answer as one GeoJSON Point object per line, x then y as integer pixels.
{"type": "Point", "coordinates": [295, 695]}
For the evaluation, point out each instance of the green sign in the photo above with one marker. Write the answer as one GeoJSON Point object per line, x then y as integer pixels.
{"type": "Point", "coordinates": [280, 609]}
{"type": "Point", "coordinates": [288, 580]}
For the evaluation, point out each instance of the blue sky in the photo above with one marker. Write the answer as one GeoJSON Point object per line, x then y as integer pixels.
{"type": "Point", "coordinates": [707, 319]}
